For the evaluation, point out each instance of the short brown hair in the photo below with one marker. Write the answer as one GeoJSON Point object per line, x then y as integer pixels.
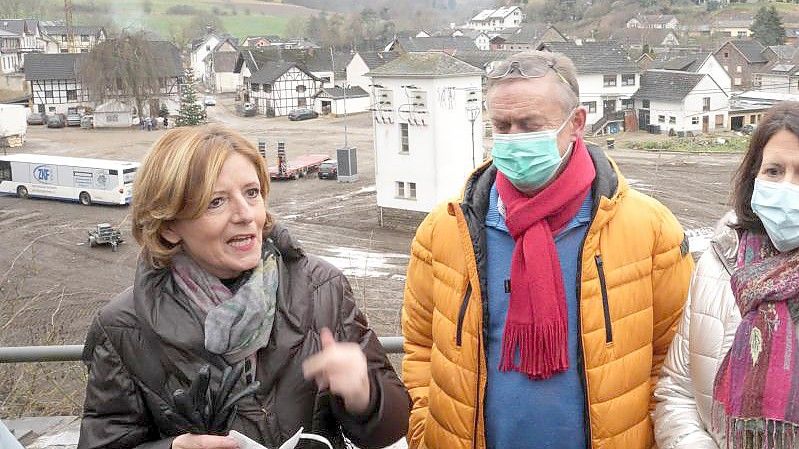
{"type": "Point", "coordinates": [562, 67]}
{"type": "Point", "coordinates": [781, 116]}
{"type": "Point", "coordinates": [176, 181]}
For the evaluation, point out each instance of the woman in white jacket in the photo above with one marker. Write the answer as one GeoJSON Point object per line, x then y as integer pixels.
{"type": "Point", "coordinates": [731, 378]}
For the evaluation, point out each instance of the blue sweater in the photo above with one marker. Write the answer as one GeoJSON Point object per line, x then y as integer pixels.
{"type": "Point", "coordinates": [519, 412]}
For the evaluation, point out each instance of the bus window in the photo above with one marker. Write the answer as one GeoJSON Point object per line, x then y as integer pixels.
{"type": "Point", "coordinates": [5, 171]}
{"type": "Point", "coordinates": [128, 175]}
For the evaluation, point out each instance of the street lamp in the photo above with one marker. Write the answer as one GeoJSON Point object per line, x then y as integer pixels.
{"type": "Point", "coordinates": [472, 112]}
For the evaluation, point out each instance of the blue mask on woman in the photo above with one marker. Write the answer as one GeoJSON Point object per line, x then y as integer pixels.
{"type": "Point", "coordinates": [528, 160]}
{"type": "Point", "coordinates": [777, 206]}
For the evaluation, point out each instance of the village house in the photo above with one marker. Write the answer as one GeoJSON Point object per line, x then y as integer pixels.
{"type": "Point", "coordinates": [428, 133]}
{"type": "Point", "coordinates": [55, 84]}
{"type": "Point", "coordinates": [201, 48]}
{"type": "Point", "coordinates": [422, 44]}
{"type": "Point", "coordinates": [364, 61]}
{"type": "Point", "coordinates": [18, 37]}
{"type": "Point", "coordinates": [704, 62]}
{"type": "Point", "coordinates": [781, 74]}
{"type": "Point", "coordinates": [792, 35]}
{"type": "Point", "coordinates": [260, 41]}
{"type": "Point", "coordinates": [657, 21]}
{"type": "Point", "coordinates": [646, 39]}
{"type": "Point", "coordinates": [496, 19]}
{"type": "Point", "coordinates": [219, 75]}
{"type": "Point", "coordinates": [528, 37]}
{"type": "Point", "coordinates": [86, 37]}
{"type": "Point", "coordinates": [742, 58]}
{"type": "Point", "coordinates": [279, 87]}
{"type": "Point", "coordinates": [734, 28]}
{"type": "Point", "coordinates": [678, 103]}
{"type": "Point", "coordinates": [331, 70]}
{"type": "Point", "coordinates": [607, 79]}
{"type": "Point", "coordinates": [339, 101]}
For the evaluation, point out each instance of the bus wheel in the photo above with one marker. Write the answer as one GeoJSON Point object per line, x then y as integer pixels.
{"type": "Point", "coordinates": [85, 199]}
{"type": "Point", "coordinates": [22, 192]}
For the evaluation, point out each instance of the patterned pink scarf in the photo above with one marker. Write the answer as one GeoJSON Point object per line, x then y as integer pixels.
{"type": "Point", "coordinates": [756, 392]}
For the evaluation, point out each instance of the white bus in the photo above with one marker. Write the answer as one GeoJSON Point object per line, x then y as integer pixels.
{"type": "Point", "coordinates": [68, 178]}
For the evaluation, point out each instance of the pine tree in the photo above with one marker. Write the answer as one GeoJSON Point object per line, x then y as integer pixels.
{"type": "Point", "coordinates": [190, 113]}
{"type": "Point", "coordinates": [767, 26]}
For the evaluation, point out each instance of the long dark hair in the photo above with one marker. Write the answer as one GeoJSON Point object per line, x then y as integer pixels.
{"type": "Point", "coordinates": [781, 116]}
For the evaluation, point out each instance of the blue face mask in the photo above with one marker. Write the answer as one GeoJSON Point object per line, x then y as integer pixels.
{"type": "Point", "coordinates": [528, 160]}
{"type": "Point", "coordinates": [777, 206]}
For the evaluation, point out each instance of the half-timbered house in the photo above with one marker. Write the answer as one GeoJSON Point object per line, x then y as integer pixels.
{"type": "Point", "coordinates": [279, 87]}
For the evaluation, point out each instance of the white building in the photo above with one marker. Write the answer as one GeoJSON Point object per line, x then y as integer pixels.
{"type": "Point", "coordinates": [334, 100]}
{"type": "Point", "coordinates": [279, 87]}
{"type": "Point", "coordinates": [86, 37]}
{"type": "Point", "coordinates": [606, 76]}
{"type": "Point", "coordinates": [496, 19]}
{"type": "Point", "coordinates": [200, 50]}
{"type": "Point", "coordinates": [113, 114]}
{"type": "Point", "coordinates": [681, 102]}
{"type": "Point", "coordinates": [698, 63]}
{"type": "Point", "coordinates": [655, 21]}
{"type": "Point", "coordinates": [427, 109]}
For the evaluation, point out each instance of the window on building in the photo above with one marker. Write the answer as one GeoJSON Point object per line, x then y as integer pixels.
{"type": "Point", "coordinates": [255, 87]}
{"type": "Point", "coordinates": [661, 119]}
{"type": "Point", "coordinates": [72, 95]}
{"type": "Point", "coordinates": [672, 120]}
{"type": "Point", "coordinates": [736, 81]}
{"type": "Point", "coordinates": [726, 55]}
{"type": "Point", "coordinates": [400, 189]}
{"type": "Point", "coordinates": [48, 94]}
{"type": "Point", "coordinates": [609, 80]}
{"type": "Point", "coordinates": [404, 146]}
{"type": "Point", "coordinates": [694, 120]}
{"type": "Point", "coordinates": [628, 103]}
{"type": "Point", "coordinates": [628, 79]}
{"type": "Point", "coordinates": [51, 109]}
{"type": "Point", "coordinates": [300, 89]}
{"type": "Point", "coordinates": [738, 69]}
{"type": "Point", "coordinates": [64, 50]}
{"type": "Point", "coordinates": [84, 38]}
{"type": "Point", "coordinates": [63, 38]}
{"type": "Point", "coordinates": [742, 34]}
{"type": "Point", "coordinates": [267, 88]}
{"type": "Point", "coordinates": [591, 106]}
{"type": "Point", "coordinates": [705, 104]}
{"type": "Point", "coordinates": [644, 104]}
{"type": "Point", "coordinates": [412, 190]}
{"type": "Point", "coordinates": [325, 79]}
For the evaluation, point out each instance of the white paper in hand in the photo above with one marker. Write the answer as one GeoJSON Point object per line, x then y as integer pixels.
{"type": "Point", "coordinates": [247, 443]}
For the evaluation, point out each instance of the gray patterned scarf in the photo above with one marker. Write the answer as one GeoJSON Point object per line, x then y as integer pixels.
{"type": "Point", "coordinates": [236, 324]}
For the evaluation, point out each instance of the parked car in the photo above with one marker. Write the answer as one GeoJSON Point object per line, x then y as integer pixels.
{"type": "Point", "coordinates": [87, 122]}
{"type": "Point", "coordinates": [747, 129]}
{"type": "Point", "coordinates": [328, 169]}
{"type": "Point", "coordinates": [302, 114]}
{"type": "Point", "coordinates": [73, 119]}
{"type": "Point", "coordinates": [36, 118]}
{"type": "Point", "coordinates": [209, 101]}
{"type": "Point", "coordinates": [56, 121]}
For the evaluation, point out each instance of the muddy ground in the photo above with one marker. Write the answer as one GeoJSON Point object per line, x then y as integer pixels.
{"type": "Point", "coordinates": [52, 283]}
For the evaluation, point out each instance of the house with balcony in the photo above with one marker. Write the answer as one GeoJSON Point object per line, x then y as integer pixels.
{"type": "Point", "coordinates": [86, 37]}
{"type": "Point", "coordinates": [496, 19]}
{"type": "Point", "coordinates": [654, 21]}
{"type": "Point", "coordinates": [428, 133]}
{"type": "Point", "coordinates": [607, 79]}
{"type": "Point", "coordinates": [681, 103]}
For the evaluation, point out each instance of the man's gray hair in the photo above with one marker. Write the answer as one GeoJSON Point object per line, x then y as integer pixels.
{"type": "Point", "coordinates": [563, 69]}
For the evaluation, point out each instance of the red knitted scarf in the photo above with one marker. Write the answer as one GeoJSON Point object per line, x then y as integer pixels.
{"type": "Point", "coordinates": [537, 321]}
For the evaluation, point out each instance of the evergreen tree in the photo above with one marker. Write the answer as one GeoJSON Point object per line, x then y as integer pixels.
{"type": "Point", "coordinates": [767, 26]}
{"type": "Point", "coordinates": [190, 113]}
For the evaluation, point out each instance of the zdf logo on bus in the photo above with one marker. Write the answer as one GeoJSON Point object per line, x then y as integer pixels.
{"type": "Point", "coordinates": [44, 173]}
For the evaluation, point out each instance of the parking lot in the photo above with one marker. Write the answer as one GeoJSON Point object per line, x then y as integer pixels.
{"type": "Point", "coordinates": [52, 282]}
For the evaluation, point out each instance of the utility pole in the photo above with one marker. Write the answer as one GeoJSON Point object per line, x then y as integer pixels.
{"type": "Point", "coordinates": [69, 27]}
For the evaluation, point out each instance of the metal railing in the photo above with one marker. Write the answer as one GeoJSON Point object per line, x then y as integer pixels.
{"type": "Point", "coordinates": [72, 353]}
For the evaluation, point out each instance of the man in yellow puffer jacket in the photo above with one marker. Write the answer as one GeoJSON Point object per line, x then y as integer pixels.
{"type": "Point", "coordinates": [540, 305]}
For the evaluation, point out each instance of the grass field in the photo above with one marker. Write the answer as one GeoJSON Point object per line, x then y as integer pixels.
{"type": "Point", "coordinates": [240, 17]}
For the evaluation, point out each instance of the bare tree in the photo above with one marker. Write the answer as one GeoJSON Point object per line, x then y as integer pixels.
{"type": "Point", "coordinates": [126, 67]}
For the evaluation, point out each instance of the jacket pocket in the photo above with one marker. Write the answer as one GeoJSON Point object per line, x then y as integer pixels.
{"type": "Point", "coordinates": [462, 315]}
{"type": "Point", "coordinates": [600, 268]}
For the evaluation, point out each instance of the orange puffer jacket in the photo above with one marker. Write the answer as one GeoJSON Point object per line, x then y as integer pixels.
{"type": "Point", "coordinates": [635, 271]}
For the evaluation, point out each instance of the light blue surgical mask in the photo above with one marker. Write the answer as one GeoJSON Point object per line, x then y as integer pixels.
{"type": "Point", "coordinates": [777, 206]}
{"type": "Point", "coordinates": [529, 160]}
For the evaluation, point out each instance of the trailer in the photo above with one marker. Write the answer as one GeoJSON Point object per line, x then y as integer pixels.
{"type": "Point", "coordinates": [297, 168]}
{"type": "Point", "coordinates": [13, 125]}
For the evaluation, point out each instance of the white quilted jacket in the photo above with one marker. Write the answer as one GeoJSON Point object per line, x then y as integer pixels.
{"type": "Point", "coordinates": [684, 392]}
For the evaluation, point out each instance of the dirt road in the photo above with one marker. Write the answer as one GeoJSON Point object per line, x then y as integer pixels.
{"type": "Point", "coordinates": [52, 283]}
